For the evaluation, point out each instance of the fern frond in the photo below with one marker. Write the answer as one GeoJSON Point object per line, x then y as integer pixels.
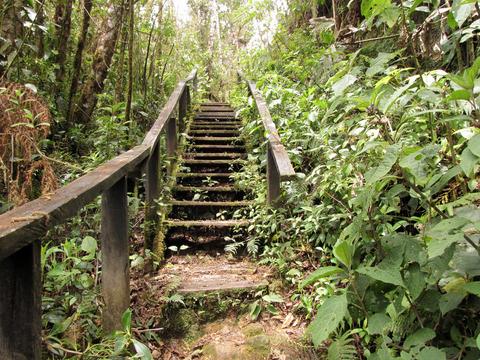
{"type": "Point", "coordinates": [342, 348]}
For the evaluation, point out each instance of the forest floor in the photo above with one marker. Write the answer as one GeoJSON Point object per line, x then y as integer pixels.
{"type": "Point", "coordinates": [191, 321]}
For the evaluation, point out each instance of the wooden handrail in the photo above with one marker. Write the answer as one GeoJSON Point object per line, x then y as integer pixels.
{"type": "Point", "coordinates": [279, 166]}
{"type": "Point", "coordinates": [22, 228]}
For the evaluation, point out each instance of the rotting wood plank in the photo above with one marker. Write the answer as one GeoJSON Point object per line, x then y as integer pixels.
{"type": "Point", "coordinates": [233, 155]}
{"type": "Point", "coordinates": [213, 162]}
{"type": "Point", "coordinates": [215, 138]}
{"type": "Point", "coordinates": [210, 203]}
{"type": "Point", "coordinates": [222, 188]}
{"type": "Point", "coordinates": [192, 175]}
{"type": "Point", "coordinates": [24, 224]}
{"type": "Point", "coordinates": [207, 223]}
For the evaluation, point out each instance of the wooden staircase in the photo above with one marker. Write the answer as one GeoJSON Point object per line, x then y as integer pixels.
{"type": "Point", "coordinates": [207, 205]}
{"type": "Point", "coordinates": [206, 201]}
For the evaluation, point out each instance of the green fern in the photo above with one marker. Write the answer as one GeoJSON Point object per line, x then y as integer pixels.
{"type": "Point", "coordinates": [342, 348]}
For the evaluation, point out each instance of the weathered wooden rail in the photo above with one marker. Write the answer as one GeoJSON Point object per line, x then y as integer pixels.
{"type": "Point", "coordinates": [22, 229]}
{"type": "Point", "coordinates": [279, 167]}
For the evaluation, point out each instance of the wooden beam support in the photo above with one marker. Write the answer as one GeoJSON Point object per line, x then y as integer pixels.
{"type": "Point", "coordinates": [115, 261]}
{"type": "Point", "coordinates": [273, 178]}
{"type": "Point", "coordinates": [151, 195]}
{"type": "Point", "coordinates": [20, 304]}
{"type": "Point", "coordinates": [182, 109]}
{"type": "Point", "coordinates": [172, 140]}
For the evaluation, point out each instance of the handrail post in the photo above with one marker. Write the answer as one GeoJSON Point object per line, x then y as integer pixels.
{"type": "Point", "coordinates": [182, 109]}
{"type": "Point", "coordinates": [172, 140]}
{"type": "Point", "coordinates": [115, 261]}
{"type": "Point", "coordinates": [20, 304]}
{"type": "Point", "coordinates": [151, 195]}
{"type": "Point", "coordinates": [273, 179]}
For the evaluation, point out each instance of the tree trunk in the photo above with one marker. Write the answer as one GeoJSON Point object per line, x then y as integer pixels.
{"type": "Point", "coordinates": [63, 21]}
{"type": "Point", "coordinates": [104, 50]}
{"type": "Point", "coordinates": [77, 63]}
{"type": "Point", "coordinates": [11, 28]}
{"type": "Point", "coordinates": [128, 108]}
{"type": "Point", "coordinates": [120, 84]}
{"type": "Point", "coordinates": [40, 36]}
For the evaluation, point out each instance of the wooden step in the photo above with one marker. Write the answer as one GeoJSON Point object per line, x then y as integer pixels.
{"type": "Point", "coordinates": [212, 175]}
{"type": "Point", "coordinates": [217, 108]}
{"type": "Point", "coordinates": [212, 162]}
{"type": "Point", "coordinates": [215, 127]}
{"type": "Point", "coordinates": [216, 121]}
{"type": "Point", "coordinates": [214, 131]}
{"type": "Point", "coordinates": [216, 148]}
{"type": "Point", "coordinates": [214, 138]}
{"type": "Point", "coordinates": [233, 155]}
{"type": "Point", "coordinates": [205, 188]}
{"type": "Point", "coordinates": [207, 223]}
{"type": "Point", "coordinates": [216, 114]}
{"type": "Point", "coordinates": [199, 273]}
{"type": "Point", "coordinates": [211, 203]}
{"type": "Point", "coordinates": [215, 104]}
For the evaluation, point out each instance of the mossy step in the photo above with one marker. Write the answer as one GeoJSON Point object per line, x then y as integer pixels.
{"type": "Point", "coordinates": [217, 108]}
{"type": "Point", "coordinates": [233, 155]}
{"type": "Point", "coordinates": [205, 188]}
{"type": "Point", "coordinates": [214, 138]}
{"type": "Point", "coordinates": [215, 103]}
{"type": "Point", "coordinates": [192, 175]}
{"type": "Point", "coordinates": [216, 146]}
{"type": "Point", "coordinates": [216, 113]}
{"type": "Point", "coordinates": [216, 122]}
{"type": "Point", "coordinates": [207, 223]}
{"type": "Point", "coordinates": [199, 273]}
{"type": "Point", "coordinates": [213, 162]}
{"type": "Point", "coordinates": [214, 131]}
{"type": "Point", "coordinates": [215, 126]}
{"type": "Point", "coordinates": [211, 203]}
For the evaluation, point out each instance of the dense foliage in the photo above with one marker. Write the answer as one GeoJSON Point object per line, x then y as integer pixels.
{"type": "Point", "coordinates": [384, 213]}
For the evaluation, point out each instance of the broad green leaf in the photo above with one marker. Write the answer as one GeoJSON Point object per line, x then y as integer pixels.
{"type": "Point", "coordinates": [473, 287]}
{"type": "Point", "coordinates": [417, 161]}
{"type": "Point", "coordinates": [143, 352]}
{"type": "Point", "coordinates": [459, 95]}
{"type": "Point", "coordinates": [127, 320]}
{"type": "Point", "coordinates": [431, 353]}
{"type": "Point", "coordinates": [419, 337]}
{"type": "Point", "coordinates": [390, 158]}
{"type": "Point", "coordinates": [450, 301]}
{"type": "Point", "coordinates": [320, 273]}
{"type": "Point", "coordinates": [467, 162]}
{"type": "Point", "coordinates": [329, 316]}
{"type": "Point", "coordinates": [343, 251]}
{"type": "Point", "coordinates": [414, 280]}
{"type": "Point", "coordinates": [389, 276]}
{"type": "Point", "coordinates": [478, 341]}
{"type": "Point", "coordinates": [444, 234]}
{"type": "Point", "coordinates": [340, 86]}
{"type": "Point", "coordinates": [474, 145]}
{"type": "Point", "coordinates": [461, 12]}
{"type": "Point", "coordinates": [380, 63]}
{"type": "Point", "coordinates": [377, 323]}
{"type": "Point", "coordinates": [89, 244]}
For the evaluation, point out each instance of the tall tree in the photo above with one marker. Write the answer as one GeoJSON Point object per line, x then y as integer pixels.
{"type": "Point", "coordinates": [128, 108]}
{"type": "Point", "coordinates": [63, 21]}
{"type": "Point", "coordinates": [77, 62]}
{"type": "Point", "coordinates": [102, 59]}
